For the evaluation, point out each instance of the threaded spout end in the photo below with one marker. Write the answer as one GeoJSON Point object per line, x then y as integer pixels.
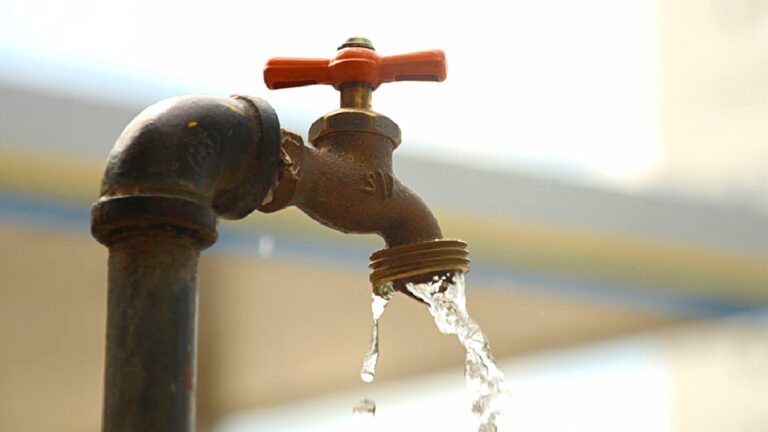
{"type": "Point", "coordinates": [412, 261]}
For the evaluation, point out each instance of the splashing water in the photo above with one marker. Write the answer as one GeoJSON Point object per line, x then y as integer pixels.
{"type": "Point", "coordinates": [485, 381]}
{"type": "Point", "coordinates": [381, 296]}
{"type": "Point", "coordinates": [446, 298]}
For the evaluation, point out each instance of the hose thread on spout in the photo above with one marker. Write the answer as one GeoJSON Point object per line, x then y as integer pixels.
{"type": "Point", "coordinates": [416, 259]}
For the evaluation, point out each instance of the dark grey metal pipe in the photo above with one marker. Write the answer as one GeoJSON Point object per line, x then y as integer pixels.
{"type": "Point", "coordinates": [176, 168]}
{"type": "Point", "coordinates": [151, 326]}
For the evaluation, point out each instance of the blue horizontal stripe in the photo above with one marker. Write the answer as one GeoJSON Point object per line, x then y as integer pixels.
{"type": "Point", "coordinates": [70, 216]}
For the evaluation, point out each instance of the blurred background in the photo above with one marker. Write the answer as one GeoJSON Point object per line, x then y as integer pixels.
{"type": "Point", "coordinates": [606, 161]}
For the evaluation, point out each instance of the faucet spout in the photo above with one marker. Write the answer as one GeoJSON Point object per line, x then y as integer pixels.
{"type": "Point", "coordinates": [345, 181]}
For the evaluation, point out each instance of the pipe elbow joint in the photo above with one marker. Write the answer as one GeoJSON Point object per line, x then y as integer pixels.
{"type": "Point", "coordinates": [184, 162]}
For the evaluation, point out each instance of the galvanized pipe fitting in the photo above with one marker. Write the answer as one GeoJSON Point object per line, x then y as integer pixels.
{"type": "Point", "coordinates": [185, 161]}
{"type": "Point", "coordinates": [176, 168]}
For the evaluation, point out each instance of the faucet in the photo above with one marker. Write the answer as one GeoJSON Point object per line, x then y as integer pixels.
{"type": "Point", "coordinates": [344, 180]}
{"type": "Point", "coordinates": [185, 162]}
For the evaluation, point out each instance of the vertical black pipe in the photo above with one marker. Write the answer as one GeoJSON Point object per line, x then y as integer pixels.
{"type": "Point", "coordinates": [151, 334]}
{"type": "Point", "coordinates": [175, 169]}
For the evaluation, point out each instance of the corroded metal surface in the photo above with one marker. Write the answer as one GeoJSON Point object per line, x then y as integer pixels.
{"type": "Point", "coordinates": [219, 152]}
{"type": "Point", "coordinates": [176, 168]}
{"type": "Point", "coordinates": [149, 376]}
{"type": "Point", "coordinates": [355, 95]}
{"type": "Point", "coordinates": [401, 263]}
{"type": "Point", "coordinates": [357, 41]}
{"type": "Point", "coordinates": [352, 120]}
{"type": "Point", "coordinates": [345, 180]}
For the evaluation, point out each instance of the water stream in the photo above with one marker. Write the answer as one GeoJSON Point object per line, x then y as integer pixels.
{"type": "Point", "coordinates": [485, 381]}
{"type": "Point", "coordinates": [446, 298]}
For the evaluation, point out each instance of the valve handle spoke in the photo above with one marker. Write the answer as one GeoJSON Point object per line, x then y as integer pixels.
{"type": "Point", "coordinates": [355, 62]}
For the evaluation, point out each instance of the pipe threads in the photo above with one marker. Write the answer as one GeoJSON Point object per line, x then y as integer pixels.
{"type": "Point", "coordinates": [415, 259]}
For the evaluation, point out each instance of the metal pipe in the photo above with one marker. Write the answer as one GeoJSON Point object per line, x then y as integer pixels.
{"type": "Point", "coordinates": [151, 325]}
{"type": "Point", "coordinates": [356, 95]}
{"type": "Point", "coordinates": [175, 169]}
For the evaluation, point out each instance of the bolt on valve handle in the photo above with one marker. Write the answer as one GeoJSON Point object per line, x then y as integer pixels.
{"type": "Point", "coordinates": [356, 70]}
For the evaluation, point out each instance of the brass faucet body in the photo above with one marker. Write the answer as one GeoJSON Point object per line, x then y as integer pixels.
{"type": "Point", "coordinates": [344, 180]}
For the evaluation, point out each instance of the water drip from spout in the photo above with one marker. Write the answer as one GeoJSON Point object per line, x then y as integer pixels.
{"type": "Point", "coordinates": [366, 407]}
{"type": "Point", "coordinates": [381, 296]}
{"type": "Point", "coordinates": [363, 413]}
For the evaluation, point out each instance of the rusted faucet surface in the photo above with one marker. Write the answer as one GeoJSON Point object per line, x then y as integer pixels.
{"type": "Point", "coordinates": [345, 181]}
{"type": "Point", "coordinates": [344, 178]}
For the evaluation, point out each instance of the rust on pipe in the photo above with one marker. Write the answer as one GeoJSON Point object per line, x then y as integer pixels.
{"type": "Point", "coordinates": [176, 168]}
{"type": "Point", "coordinates": [149, 377]}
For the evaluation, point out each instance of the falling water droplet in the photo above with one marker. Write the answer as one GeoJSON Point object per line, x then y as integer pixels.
{"type": "Point", "coordinates": [363, 415]}
{"type": "Point", "coordinates": [381, 296]}
{"type": "Point", "coordinates": [368, 375]}
{"type": "Point", "coordinates": [365, 407]}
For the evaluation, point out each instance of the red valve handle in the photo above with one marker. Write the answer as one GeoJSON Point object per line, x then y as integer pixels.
{"type": "Point", "coordinates": [355, 64]}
